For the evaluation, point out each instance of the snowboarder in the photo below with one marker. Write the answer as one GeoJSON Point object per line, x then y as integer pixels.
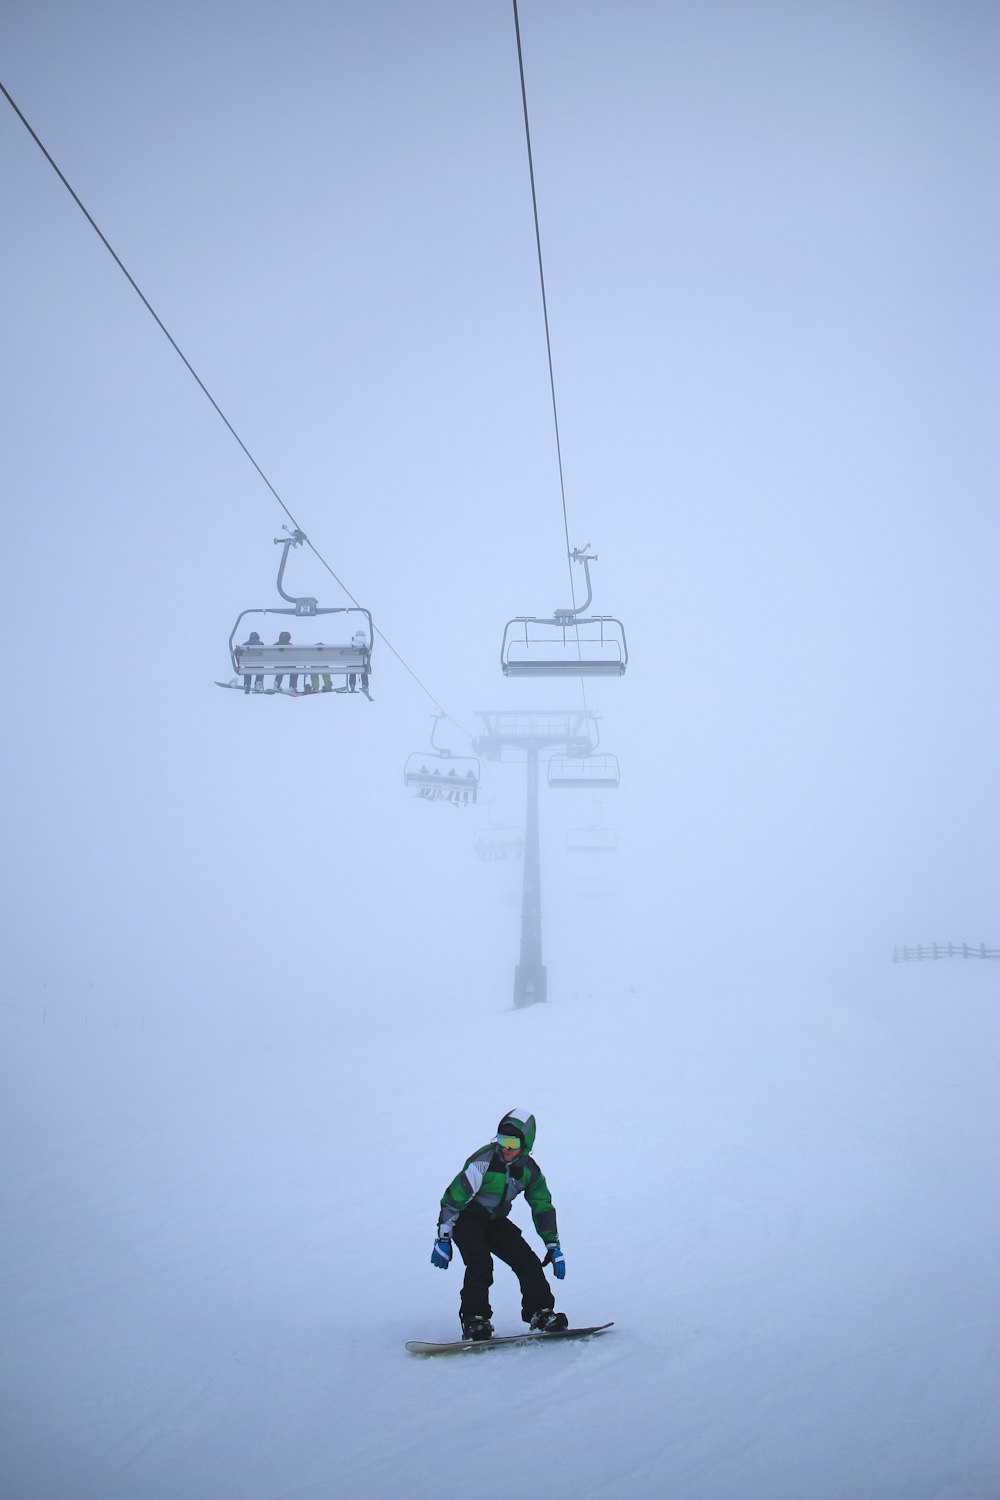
{"type": "Point", "coordinates": [359, 642]}
{"type": "Point", "coordinates": [313, 684]}
{"type": "Point", "coordinates": [258, 678]}
{"type": "Point", "coordinates": [474, 1213]}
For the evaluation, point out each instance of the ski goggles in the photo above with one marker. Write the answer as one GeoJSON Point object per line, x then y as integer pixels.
{"type": "Point", "coordinates": [509, 1142]}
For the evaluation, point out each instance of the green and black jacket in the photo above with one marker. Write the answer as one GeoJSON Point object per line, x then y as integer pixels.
{"type": "Point", "coordinates": [487, 1185]}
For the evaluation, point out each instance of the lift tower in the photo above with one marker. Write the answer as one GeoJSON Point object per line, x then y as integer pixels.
{"type": "Point", "coordinates": [507, 735]}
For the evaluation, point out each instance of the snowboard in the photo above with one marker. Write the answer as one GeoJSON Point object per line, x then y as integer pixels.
{"type": "Point", "coordinates": [460, 1346]}
{"type": "Point", "coordinates": [268, 692]}
{"type": "Point", "coordinates": [282, 692]}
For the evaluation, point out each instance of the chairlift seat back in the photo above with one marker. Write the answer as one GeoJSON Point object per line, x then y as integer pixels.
{"type": "Point", "coordinates": [570, 666]}
{"type": "Point", "coordinates": [303, 658]}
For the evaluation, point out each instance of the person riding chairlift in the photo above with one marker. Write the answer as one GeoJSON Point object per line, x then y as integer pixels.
{"type": "Point", "coordinates": [285, 639]}
{"type": "Point", "coordinates": [258, 678]}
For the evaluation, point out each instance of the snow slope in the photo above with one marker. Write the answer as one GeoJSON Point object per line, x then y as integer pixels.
{"type": "Point", "coordinates": [782, 1188]}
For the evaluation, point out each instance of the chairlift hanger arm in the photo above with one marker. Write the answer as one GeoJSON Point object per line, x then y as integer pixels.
{"type": "Point", "coordinates": [303, 605]}
{"type": "Point", "coordinates": [580, 555]}
{"type": "Point", "coordinates": [438, 749]}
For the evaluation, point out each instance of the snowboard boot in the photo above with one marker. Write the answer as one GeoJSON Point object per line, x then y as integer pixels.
{"type": "Point", "coordinates": [547, 1320]}
{"type": "Point", "coordinates": [476, 1327]}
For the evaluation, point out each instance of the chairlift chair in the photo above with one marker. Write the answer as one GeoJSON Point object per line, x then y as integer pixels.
{"type": "Point", "coordinates": [595, 838]}
{"type": "Point", "coordinates": [584, 773]}
{"type": "Point", "coordinates": [591, 841]}
{"type": "Point", "coordinates": [438, 775]}
{"type": "Point", "coordinates": [496, 844]}
{"type": "Point", "coordinates": [499, 841]}
{"type": "Point", "coordinates": [567, 643]}
{"type": "Point", "coordinates": [350, 659]}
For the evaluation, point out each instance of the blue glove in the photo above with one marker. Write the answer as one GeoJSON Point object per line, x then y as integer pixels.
{"type": "Point", "coordinates": [441, 1254]}
{"type": "Point", "coordinates": [558, 1260]}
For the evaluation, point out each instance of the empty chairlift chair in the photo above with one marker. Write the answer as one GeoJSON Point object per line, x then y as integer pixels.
{"type": "Point", "coordinates": [584, 773]}
{"type": "Point", "coordinates": [595, 838]}
{"type": "Point", "coordinates": [568, 643]}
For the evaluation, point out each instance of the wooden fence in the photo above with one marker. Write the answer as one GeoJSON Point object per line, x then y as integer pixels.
{"type": "Point", "coordinates": [904, 955]}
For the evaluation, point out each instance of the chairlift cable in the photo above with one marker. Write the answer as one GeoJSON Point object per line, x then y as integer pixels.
{"type": "Point", "coordinates": [203, 387]}
{"type": "Point", "coordinates": [545, 305]}
{"type": "Point", "coordinates": [146, 302]}
{"type": "Point", "coordinates": [545, 317]}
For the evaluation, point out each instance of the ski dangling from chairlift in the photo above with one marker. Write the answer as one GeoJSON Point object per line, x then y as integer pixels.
{"type": "Point", "coordinates": [568, 643]}
{"type": "Point", "coordinates": [438, 775]}
{"type": "Point", "coordinates": [309, 669]}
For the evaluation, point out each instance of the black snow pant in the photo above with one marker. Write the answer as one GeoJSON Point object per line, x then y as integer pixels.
{"type": "Point", "coordinates": [478, 1240]}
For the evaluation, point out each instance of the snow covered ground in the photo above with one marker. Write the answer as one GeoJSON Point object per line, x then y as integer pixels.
{"type": "Point", "coordinates": [782, 1188]}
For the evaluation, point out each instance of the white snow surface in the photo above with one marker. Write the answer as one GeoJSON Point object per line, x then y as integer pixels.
{"type": "Point", "coordinates": [782, 1188]}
